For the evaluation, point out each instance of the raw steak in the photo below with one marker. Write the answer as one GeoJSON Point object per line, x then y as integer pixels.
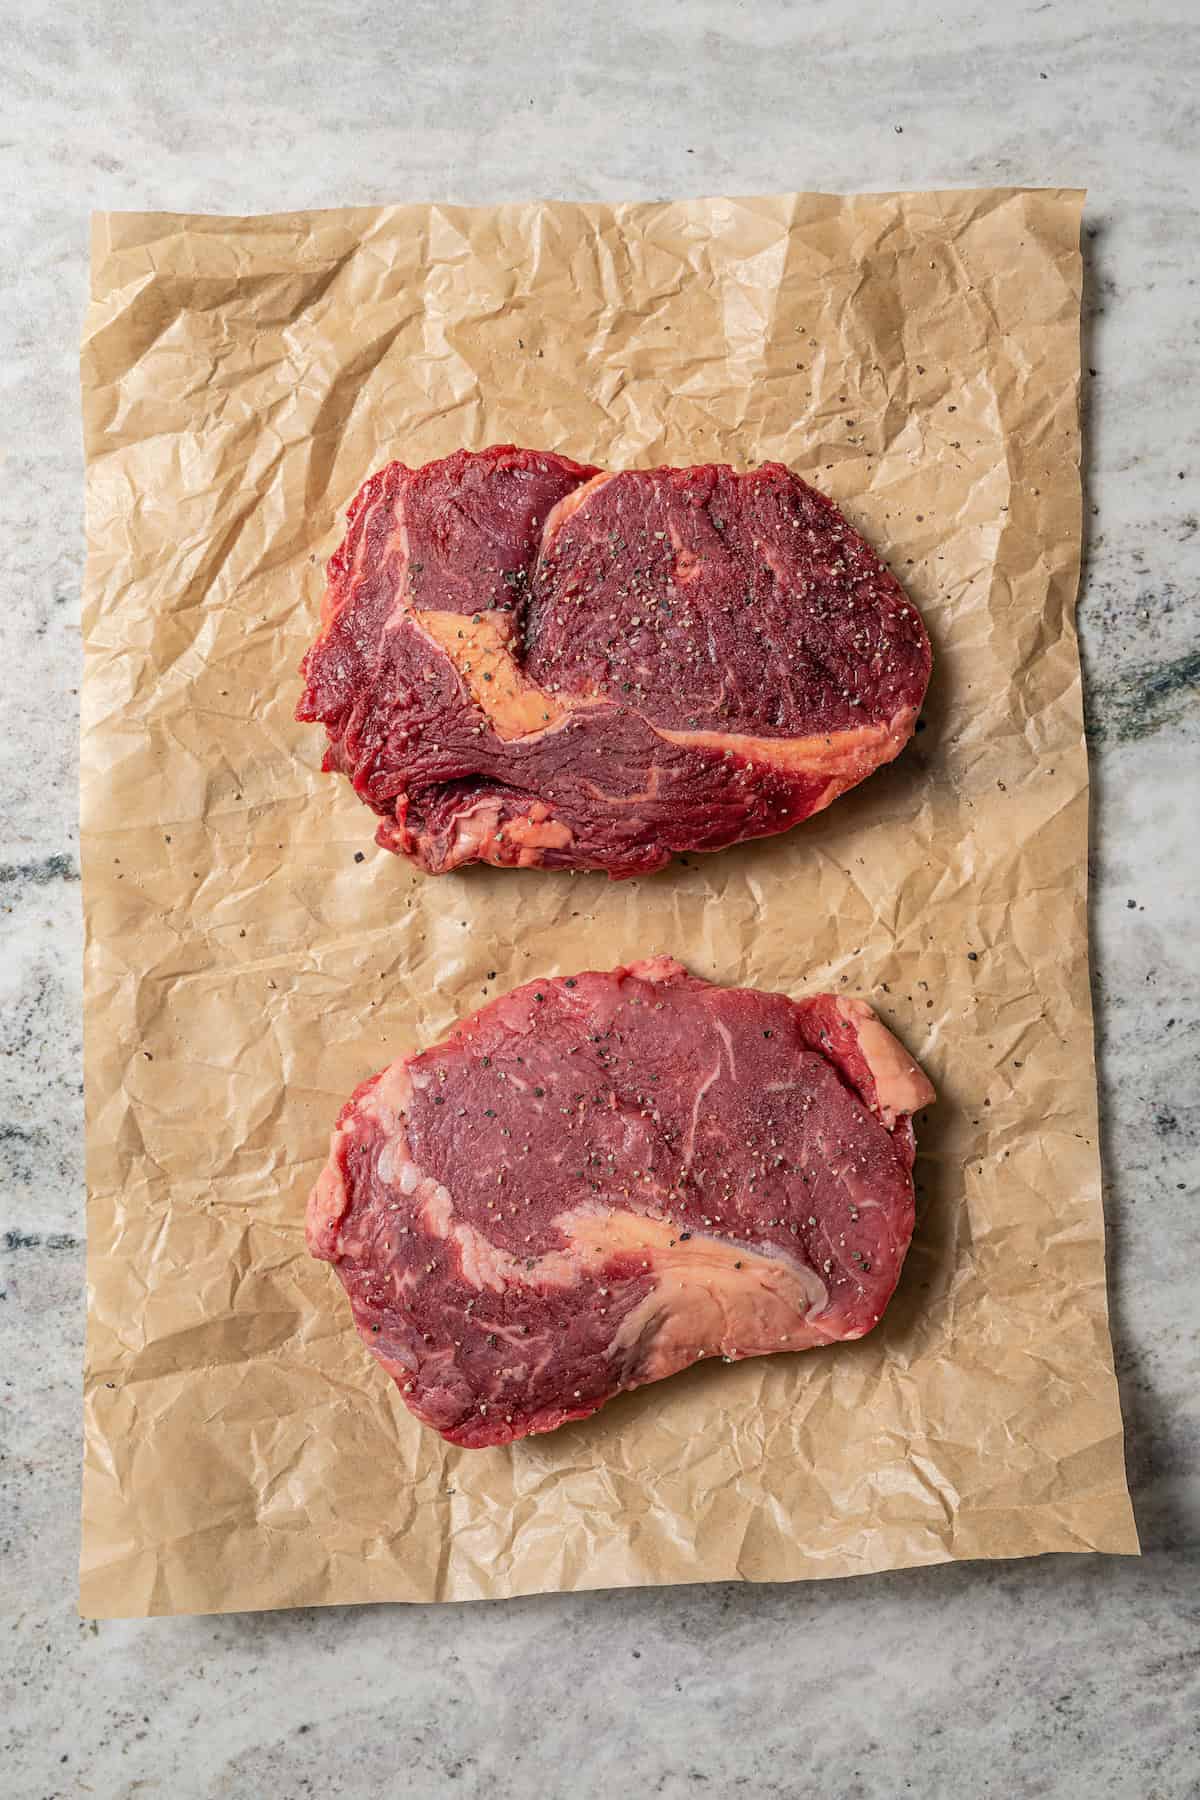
{"type": "Point", "coordinates": [597, 1181]}
{"type": "Point", "coordinates": [523, 660]}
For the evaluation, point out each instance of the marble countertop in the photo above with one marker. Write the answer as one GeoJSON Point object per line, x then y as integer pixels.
{"type": "Point", "coordinates": [1065, 1676]}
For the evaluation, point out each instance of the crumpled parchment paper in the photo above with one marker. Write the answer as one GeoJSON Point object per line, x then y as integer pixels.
{"type": "Point", "coordinates": [917, 356]}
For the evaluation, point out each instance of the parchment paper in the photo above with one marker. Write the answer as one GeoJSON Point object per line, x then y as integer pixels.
{"type": "Point", "coordinates": [917, 356]}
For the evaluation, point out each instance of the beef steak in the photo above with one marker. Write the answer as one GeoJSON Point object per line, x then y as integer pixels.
{"type": "Point", "coordinates": [524, 660]}
{"type": "Point", "coordinates": [599, 1180]}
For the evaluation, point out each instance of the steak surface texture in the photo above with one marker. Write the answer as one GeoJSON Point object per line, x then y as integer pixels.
{"type": "Point", "coordinates": [598, 1180]}
{"type": "Point", "coordinates": [523, 660]}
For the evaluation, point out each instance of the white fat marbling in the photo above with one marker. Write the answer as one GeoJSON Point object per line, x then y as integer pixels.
{"type": "Point", "coordinates": [1066, 1677]}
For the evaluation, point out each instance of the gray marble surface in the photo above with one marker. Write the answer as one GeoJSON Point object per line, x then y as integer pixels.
{"type": "Point", "coordinates": [1065, 1677]}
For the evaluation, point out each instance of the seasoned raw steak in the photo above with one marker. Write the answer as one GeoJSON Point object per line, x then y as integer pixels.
{"type": "Point", "coordinates": [597, 1181]}
{"type": "Point", "coordinates": [525, 661]}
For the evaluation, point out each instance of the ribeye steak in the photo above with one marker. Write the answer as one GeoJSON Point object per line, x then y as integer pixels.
{"type": "Point", "coordinates": [523, 660]}
{"type": "Point", "coordinates": [599, 1180]}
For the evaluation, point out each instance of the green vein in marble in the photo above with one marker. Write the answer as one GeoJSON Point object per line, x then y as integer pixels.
{"type": "Point", "coordinates": [1136, 705]}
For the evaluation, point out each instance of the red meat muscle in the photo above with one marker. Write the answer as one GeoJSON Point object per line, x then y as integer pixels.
{"type": "Point", "coordinates": [523, 660]}
{"type": "Point", "coordinates": [599, 1180]}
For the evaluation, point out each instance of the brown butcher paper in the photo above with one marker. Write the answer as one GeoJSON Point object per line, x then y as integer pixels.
{"type": "Point", "coordinates": [251, 955]}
